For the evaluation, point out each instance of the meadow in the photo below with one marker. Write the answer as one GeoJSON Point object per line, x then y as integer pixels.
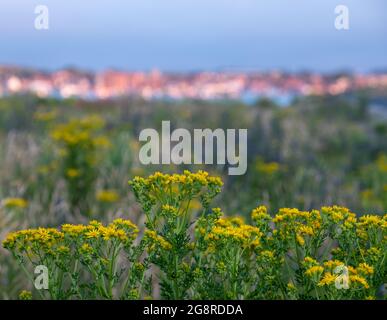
{"type": "Point", "coordinates": [314, 198]}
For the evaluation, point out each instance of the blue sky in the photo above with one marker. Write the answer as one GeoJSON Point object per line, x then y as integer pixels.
{"type": "Point", "coordinates": [185, 35]}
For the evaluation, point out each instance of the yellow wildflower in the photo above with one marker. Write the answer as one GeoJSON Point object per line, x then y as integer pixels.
{"type": "Point", "coordinates": [73, 173]}
{"type": "Point", "coordinates": [268, 168]}
{"type": "Point", "coordinates": [327, 279]}
{"type": "Point", "coordinates": [86, 249]}
{"type": "Point", "coordinates": [14, 203]}
{"type": "Point", "coordinates": [300, 240]}
{"type": "Point", "coordinates": [315, 270]}
{"type": "Point", "coordinates": [102, 141]}
{"type": "Point", "coordinates": [63, 250]}
{"type": "Point", "coordinates": [364, 268]}
{"type": "Point", "coordinates": [92, 234]}
{"type": "Point", "coordinates": [332, 264]}
{"type": "Point", "coordinates": [25, 295]}
{"type": "Point", "coordinates": [310, 261]}
{"type": "Point", "coordinates": [157, 239]}
{"type": "Point", "coordinates": [291, 286]}
{"type": "Point", "coordinates": [260, 213]}
{"type": "Point", "coordinates": [107, 196]}
{"type": "Point", "coordinates": [360, 280]}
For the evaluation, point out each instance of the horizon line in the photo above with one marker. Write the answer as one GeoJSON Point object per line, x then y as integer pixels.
{"type": "Point", "coordinates": [219, 69]}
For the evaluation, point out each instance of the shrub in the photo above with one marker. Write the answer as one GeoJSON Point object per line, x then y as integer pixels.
{"type": "Point", "coordinates": [320, 254]}
{"type": "Point", "coordinates": [79, 143]}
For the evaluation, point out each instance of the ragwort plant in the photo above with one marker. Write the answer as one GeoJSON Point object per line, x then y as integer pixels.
{"type": "Point", "coordinates": [80, 144]}
{"type": "Point", "coordinates": [84, 261]}
{"type": "Point", "coordinates": [166, 201]}
{"type": "Point", "coordinates": [374, 179]}
{"type": "Point", "coordinates": [320, 254]}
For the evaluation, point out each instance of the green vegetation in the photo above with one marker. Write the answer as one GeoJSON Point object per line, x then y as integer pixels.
{"type": "Point", "coordinates": [69, 161]}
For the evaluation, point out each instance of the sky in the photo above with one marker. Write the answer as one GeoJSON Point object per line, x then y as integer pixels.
{"type": "Point", "coordinates": [191, 35]}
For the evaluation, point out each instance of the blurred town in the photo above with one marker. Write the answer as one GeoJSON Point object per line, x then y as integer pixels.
{"type": "Point", "coordinates": [72, 82]}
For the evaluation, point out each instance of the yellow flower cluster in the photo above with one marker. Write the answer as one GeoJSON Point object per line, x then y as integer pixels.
{"type": "Point", "coordinates": [14, 203]}
{"type": "Point", "coordinates": [373, 253]}
{"type": "Point", "coordinates": [359, 280]}
{"type": "Point", "coordinates": [80, 131]}
{"type": "Point", "coordinates": [187, 178]}
{"type": "Point", "coordinates": [25, 295]}
{"type": "Point", "coordinates": [365, 269]}
{"type": "Point", "coordinates": [123, 230]}
{"type": "Point", "coordinates": [73, 173]}
{"type": "Point", "coordinates": [382, 162]}
{"type": "Point", "coordinates": [326, 274]}
{"type": "Point", "coordinates": [309, 261]}
{"type": "Point", "coordinates": [296, 224]}
{"type": "Point", "coordinates": [293, 246]}
{"type": "Point", "coordinates": [291, 214]}
{"type": "Point", "coordinates": [327, 279]}
{"type": "Point", "coordinates": [178, 190]}
{"type": "Point", "coordinates": [236, 231]}
{"type": "Point", "coordinates": [63, 134]}
{"type": "Point", "coordinates": [368, 221]}
{"type": "Point", "coordinates": [169, 210]}
{"type": "Point", "coordinates": [315, 270]}
{"type": "Point", "coordinates": [268, 168]}
{"type": "Point", "coordinates": [55, 241]}
{"type": "Point", "coordinates": [86, 249]}
{"type": "Point", "coordinates": [260, 214]}
{"type": "Point", "coordinates": [267, 254]}
{"type": "Point", "coordinates": [157, 240]}
{"type": "Point", "coordinates": [24, 240]}
{"type": "Point", "coordinates": [332, 264]}
{"type": "Point", "coordinates": [340, 215]}
{"type": "Point", "coordinates": [107, 196]}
